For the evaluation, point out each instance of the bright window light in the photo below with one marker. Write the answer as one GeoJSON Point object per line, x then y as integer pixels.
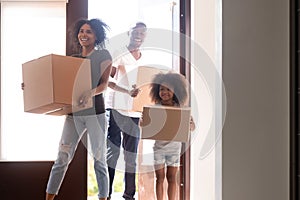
{"type": "Point", "coordinates": [28, 30]}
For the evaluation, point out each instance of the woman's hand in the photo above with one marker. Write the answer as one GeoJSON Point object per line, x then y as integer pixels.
{"type": "Point", "coordinates": [85, 98]}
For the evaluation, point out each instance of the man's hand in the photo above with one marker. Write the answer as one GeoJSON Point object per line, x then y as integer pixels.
{"type": "Point", "coordinates": [134, 92]}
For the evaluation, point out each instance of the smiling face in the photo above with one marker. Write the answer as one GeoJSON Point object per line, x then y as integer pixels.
{"type": "Point", "coordinates": [86, 37]}
{"type": "Point", "coordinates": [137, 36]}
{"type": "Point", "coordinates": [166, 94]}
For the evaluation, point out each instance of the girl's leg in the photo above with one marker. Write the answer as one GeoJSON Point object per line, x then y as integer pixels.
{"type": "Point", "coordinates": [172, 182]}
{"type": "Point", "coordinates": [160, 177]}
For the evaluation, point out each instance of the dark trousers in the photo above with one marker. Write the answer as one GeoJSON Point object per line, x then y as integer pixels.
{"type": "Point", "coordinates": [125, 130]}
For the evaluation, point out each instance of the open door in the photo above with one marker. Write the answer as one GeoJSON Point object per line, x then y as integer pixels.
{"type": "Point", "coordinates": [163, 18]}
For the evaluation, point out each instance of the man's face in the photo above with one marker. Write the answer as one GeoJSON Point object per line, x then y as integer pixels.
{"type": "Point", "coordinates": [137, 36]}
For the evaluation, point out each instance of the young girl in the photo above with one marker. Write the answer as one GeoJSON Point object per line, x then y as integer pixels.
{"type": "Point", "coordinates": [168, 90]}
{"type": "Point", "coordinates": [87, 35]}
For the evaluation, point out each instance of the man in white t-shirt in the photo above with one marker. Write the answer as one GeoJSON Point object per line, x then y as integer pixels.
{"type": "Point", "coordinates": [123, 123]}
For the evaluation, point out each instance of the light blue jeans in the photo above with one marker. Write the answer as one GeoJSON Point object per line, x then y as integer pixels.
{"type": "Point", "coordinates": [74, 128]}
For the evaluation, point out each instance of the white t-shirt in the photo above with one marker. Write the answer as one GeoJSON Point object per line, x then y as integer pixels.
{"type": "Point", "coordinates": [126, 71]}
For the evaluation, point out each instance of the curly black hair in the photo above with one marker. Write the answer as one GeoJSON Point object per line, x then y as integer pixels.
{"type": "Point", "coordinates": [98, 26]}
{"type": "Point", "coordinates": [171, 79]}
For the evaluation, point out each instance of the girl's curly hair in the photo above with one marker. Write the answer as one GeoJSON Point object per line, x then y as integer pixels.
{"type": "Point", "coordinates": [176, 81]}
{"type": "Point", "coordinates": [99, 27]}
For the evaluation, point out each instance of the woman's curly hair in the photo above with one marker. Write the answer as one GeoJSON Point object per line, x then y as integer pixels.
{"type": "Point", "coordinates": [176, 81]}
{"type": "Point", "coordinates": [99, 27]}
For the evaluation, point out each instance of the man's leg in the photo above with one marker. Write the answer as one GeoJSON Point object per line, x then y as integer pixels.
{"type": "Point", "coordinates": [113, 146]}
{"type": "Point", "coordinates": [130, 145]}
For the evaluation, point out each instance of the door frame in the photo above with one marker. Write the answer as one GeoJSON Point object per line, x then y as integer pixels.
{"type": "Point", "coordinates": [185, 57]}
{"type": "Point", "coordinates": [294, 100]}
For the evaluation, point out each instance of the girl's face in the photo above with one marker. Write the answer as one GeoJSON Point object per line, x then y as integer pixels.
{"type": "Point", "coordinates": [166, 94]}
{"type": "Point", "coordinates": [86, 36]}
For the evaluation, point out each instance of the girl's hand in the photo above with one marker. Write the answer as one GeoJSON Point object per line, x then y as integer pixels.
{"type": "Point", "coordinates": [141, 122]}
{"type": "Point", "coordinates": [192, 124]}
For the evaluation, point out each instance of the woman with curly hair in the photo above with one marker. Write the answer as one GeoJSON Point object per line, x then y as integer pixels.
{"type": "Point", "coordinates": [88, 37]}
{"type": "Point", "coordinates": [168, 89]}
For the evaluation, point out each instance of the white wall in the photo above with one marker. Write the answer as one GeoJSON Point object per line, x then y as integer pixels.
{"type": "Point", "coordinates": [256, 76]}
{"type": "Point", "coordinates": [255, 68]}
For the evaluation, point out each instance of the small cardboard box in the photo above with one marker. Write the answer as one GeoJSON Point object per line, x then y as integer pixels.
{"type": "Point", "coordinates": [166, 123]}
{"type": "Point", "coordinates": [53, 84]}
{"type": "Point", "coordinates": [142, 78]}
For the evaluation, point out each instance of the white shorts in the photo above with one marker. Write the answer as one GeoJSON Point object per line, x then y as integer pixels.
{"type": "Point", "coordinates": [172, 160]}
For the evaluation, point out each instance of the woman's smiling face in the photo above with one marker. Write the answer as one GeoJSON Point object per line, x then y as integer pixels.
{"type": "Point", "coordinates": [86, 36]}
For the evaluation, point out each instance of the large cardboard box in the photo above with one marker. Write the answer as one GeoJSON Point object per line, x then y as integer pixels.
{"type": "Point", "coordinates": [54, 83]}
{"type": "Point", "coordinates": [142, 78]}
{"type": "Point", "coordinates": [166, 123]}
